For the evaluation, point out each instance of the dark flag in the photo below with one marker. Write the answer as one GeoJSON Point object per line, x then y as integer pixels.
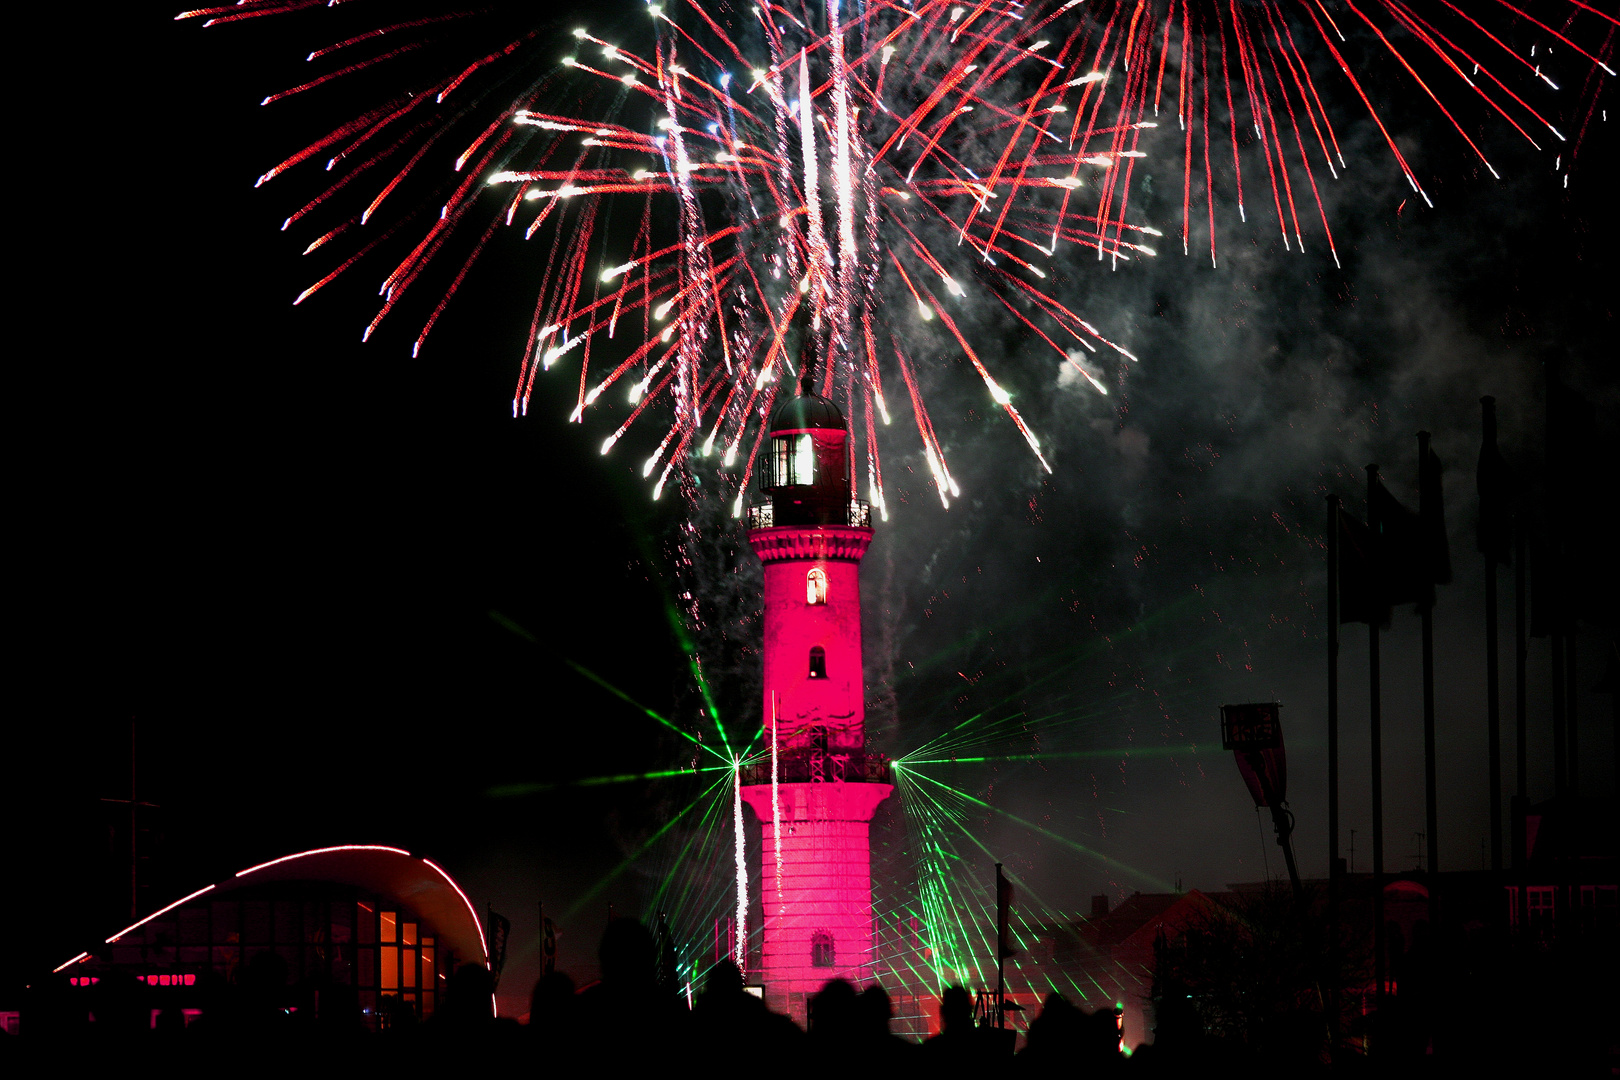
{"type": "Point", "coordinates": [1254, 734]}
{"type": "Point", "coordinates": [1004, 900]}
{"type": "Point", "coordinates": [1398, 561]}
{"type": "Point", "coordinates": [1495, 535]}
{"type": "Point", "coordinates": [1436, 552]}
{"type": "Point", "coordinates": [1358, 600]}
{"type": "Point", "coordinates": [500, 928]}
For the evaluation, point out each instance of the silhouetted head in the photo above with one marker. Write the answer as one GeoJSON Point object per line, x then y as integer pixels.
{"type": "Point", "coordinates": [338, 1007]}
{"type": "Point", "coordinates": [265, 976]}
{"type": "Point", "coordinates": [627, 954]}
{"type": "Point", "coordinates": [121, 1005]}
{"type": "Point", "coordinates": [170, 1022]}
{"type": "Point", "coordinates": [1057, 1029]}
{"type": "Point", "coordinates": [724, 980]}
{"type": "Point", "coordinates": [400, 1016]}
{"type": "Point", "coordinates": [470, 995]}
{"type": "Point", "coordinates": [1175, 1019]}
{"type": "Point", "coordinates": [552, 993]}
{"type": "Point", "coordinates": [834, 1011]}
{"type": "Point", "coordinates": [1099, 1035]}
{"type": "Point", "coordinates": [955, 1009]}
{"type": "Point", "coordinates": [876, 1010]}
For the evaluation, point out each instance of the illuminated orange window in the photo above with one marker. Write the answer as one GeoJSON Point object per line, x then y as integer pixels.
{"type": "Point", "coordinates": [407, 934]}
{"type": "Point", "coordinates": [388, 921]}
{"type": "Point", "coordinates": [390, 968]}
{"type": "Point", "coordinates": [427, 963]}
{"type": "Point", "coordinates": [408, 969]}
{"type": "Point", "coordinates": [815, 586]}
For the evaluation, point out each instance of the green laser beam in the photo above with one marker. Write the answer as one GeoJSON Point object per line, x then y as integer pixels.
{"type": "Point", "coordinates": [519, 630]}
{"type": "Point", "coordinates": [978, 732]}
{"type": "Point", "coordinates": [978, 892]}
{"type": "Point", "coordinates": [695, 664]}
{"type": "Point", "coordinates": [629, 860]}
{"type": "Point", "coordinates": [509, 791]}
{"type": "Point", "coordinates": [1056, 837]}
{"type": "Point", "coordinates": [954, 953]}
{"type": "Point", "coordinates": [683, 640]}
{"type": "Point", "coordinates": [1022, 885]}
{"type": "Point", "coordinates": [622, 696]}
{"type": "Point", "coordinates": [1062, 755]}
{"type": "Point", "coordinates": [708, 826]}
{"type": "Point", "coordinates": [1009, 617]}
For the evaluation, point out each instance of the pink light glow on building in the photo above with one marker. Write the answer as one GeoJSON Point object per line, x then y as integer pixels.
{"type": "Point", "coordinates": [159, 911]}
{"type": "Point", "coordinates": [77, 959]}
{"type": "Point", "coordinates": [816, 798]}
{"type": "Point", "coordinates": [326, 851]}
{"type": "Point", "coordinates": [483, 938]}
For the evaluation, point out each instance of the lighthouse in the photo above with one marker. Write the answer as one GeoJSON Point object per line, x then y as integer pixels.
{"type": "Point", "coordinates": [817, 790]}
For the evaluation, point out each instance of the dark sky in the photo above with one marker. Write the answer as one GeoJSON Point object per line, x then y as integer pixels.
{"type": "Point", "coordinates": [277, 549]}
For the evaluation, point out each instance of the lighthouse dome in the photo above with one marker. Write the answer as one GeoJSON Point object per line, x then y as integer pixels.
{"type": "Point", "coordinates": [804, 466]}
{"type": "Point", "coordinates": [808, 412]}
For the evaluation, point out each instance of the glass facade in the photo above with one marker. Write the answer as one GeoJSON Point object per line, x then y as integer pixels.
{"type": "Point", "coordinates": [321, 934]}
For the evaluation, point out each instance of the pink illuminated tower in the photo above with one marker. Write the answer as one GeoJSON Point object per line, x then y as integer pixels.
{"type": "Point", "coordinates": [815, 873]}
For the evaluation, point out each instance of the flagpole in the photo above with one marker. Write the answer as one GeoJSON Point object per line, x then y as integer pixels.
{"type": "Point", "coordinates": [1571, 741]}
{"type": "Point", "coordinates": [1375, 718]}
{"type": "Point", "coordinates": [1332, 713]}
{"type": "Point", "coordinates": [1550, 571]}
{"type": "Point", "coordinates": [1493, 700]}
{"type": "Point", "coordinates": [1002, 916]}
{"type": "Point", "coordinates": [1332, 771]}
{"type": "Point", "coordinates": [1521, 697]}
{"type": "Point", "coordinates": [1426, 613]}
{"type": "Point", "coordinates": [1560, 759]}
{"type": "Point", "coordinates": [1520, 663]}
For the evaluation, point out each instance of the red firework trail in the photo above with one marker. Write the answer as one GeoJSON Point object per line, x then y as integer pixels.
{"type": "Point", "coordinates": [886, 164]}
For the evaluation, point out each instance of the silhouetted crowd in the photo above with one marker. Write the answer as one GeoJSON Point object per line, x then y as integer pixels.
{"type": "Point", "coordinates": [627, 1022]}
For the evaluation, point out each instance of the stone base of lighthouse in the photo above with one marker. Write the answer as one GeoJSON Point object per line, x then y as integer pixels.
{"type": "Point", "coordinates": [819, 925]}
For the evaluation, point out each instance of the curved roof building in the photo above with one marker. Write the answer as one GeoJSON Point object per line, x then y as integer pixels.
{"type": "Point", "coordinates": [377, 920]}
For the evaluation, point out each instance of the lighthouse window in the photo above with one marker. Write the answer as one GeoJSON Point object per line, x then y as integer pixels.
{"type": "Point", "coordinates": [794, 463]}
{"type": "Point", "coordinates": [818, 662]}
{"type": "Point", "coordinates": [821, 950]}
{"type": "Point", "coordinates": [815, 586]}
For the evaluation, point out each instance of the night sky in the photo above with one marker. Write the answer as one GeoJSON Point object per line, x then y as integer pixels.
{"type": "Point", "coordinates": [278, 550]}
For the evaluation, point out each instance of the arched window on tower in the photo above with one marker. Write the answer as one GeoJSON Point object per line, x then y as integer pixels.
{"type": "Point", "coordinates": [818, 662]}
{"type": "Point", "coordinates": [815, 586]}
{"type": "Point", "coordinates": [821, 950]}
